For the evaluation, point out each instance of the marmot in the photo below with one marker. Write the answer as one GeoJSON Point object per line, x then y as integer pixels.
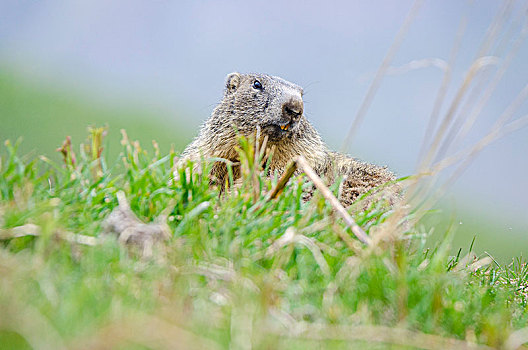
{"type": "Point", "coordinates": [276, 106]}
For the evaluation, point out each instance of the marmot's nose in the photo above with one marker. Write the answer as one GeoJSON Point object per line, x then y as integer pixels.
{"type": "Point", "coordinates": [293, 108]}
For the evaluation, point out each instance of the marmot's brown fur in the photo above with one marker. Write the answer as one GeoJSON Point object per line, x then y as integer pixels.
{"type": "Point", "coordinates": [276, 106]}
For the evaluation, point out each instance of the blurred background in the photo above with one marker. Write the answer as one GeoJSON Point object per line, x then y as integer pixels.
{"type": "Point", "coordinates": [157, 69]}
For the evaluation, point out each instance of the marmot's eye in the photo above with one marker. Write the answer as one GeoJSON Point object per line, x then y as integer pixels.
{"type": "Point", "coordinates": [257, 85]}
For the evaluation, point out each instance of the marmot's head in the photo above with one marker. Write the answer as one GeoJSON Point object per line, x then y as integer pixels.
{"type": "Point", "coordinates": [272, 103]}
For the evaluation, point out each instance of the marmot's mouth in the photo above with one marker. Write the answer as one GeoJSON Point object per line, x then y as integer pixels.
{"type": "Point", "coordinates": [286, 126]}
{"type": "Point", "coordinates": [276, 130]}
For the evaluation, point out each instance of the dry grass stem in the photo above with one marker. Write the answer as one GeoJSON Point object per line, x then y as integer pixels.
{"type": "Point", "coordinates": [275, 191]}
{"type": "Point", "coordinates": [494, 28]}
{"type": "Point", "coordinates": [293, 237]}
{"type": "Point", "coordinates": [517, 339]}
{"type": "Point", "coordinates": [334, 202]}
{"type": "Point", "coordinates": [30, 324]}
{"type": "Point", "coordinates": [450, 131]}
{"type": "Point", "coordinates": [149, 331]}
{"type": "Point", "coordinates": [485, 141]}
{"type": "Point", "coordinates": [302, 164]}
{"type": "Point", "coordinates": [479, 64]}
{"type": "Point", "coordinates": [380, 334]}
{"type": "Point", "coordinates": [381, 73]}
{"type": "Point", "coordinates": [442, 91]}
{"type": "Point", "coordinates": [419, 64]}
{"type": "Point", "coordinates": [35, 230]}
{"type": "Point", "coordinates": [458, 132]}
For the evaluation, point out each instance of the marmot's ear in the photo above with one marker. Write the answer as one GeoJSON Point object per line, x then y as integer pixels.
{"type": "Point", "coordinates": [232, 82]}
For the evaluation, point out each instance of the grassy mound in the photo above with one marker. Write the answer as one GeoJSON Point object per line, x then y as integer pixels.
{"type": "Point", "coordinates": [239, 271]}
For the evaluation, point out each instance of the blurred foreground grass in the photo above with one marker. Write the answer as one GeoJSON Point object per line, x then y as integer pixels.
{"type": "Point", "coordinates": [238, 271]}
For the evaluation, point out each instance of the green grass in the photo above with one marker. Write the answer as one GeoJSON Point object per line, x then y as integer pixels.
{"type": "Point", "coordinates": [224, 279]}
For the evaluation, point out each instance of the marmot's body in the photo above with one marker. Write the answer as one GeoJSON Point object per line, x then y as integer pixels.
{"type": "Point", "coordinates": [276, 106]}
